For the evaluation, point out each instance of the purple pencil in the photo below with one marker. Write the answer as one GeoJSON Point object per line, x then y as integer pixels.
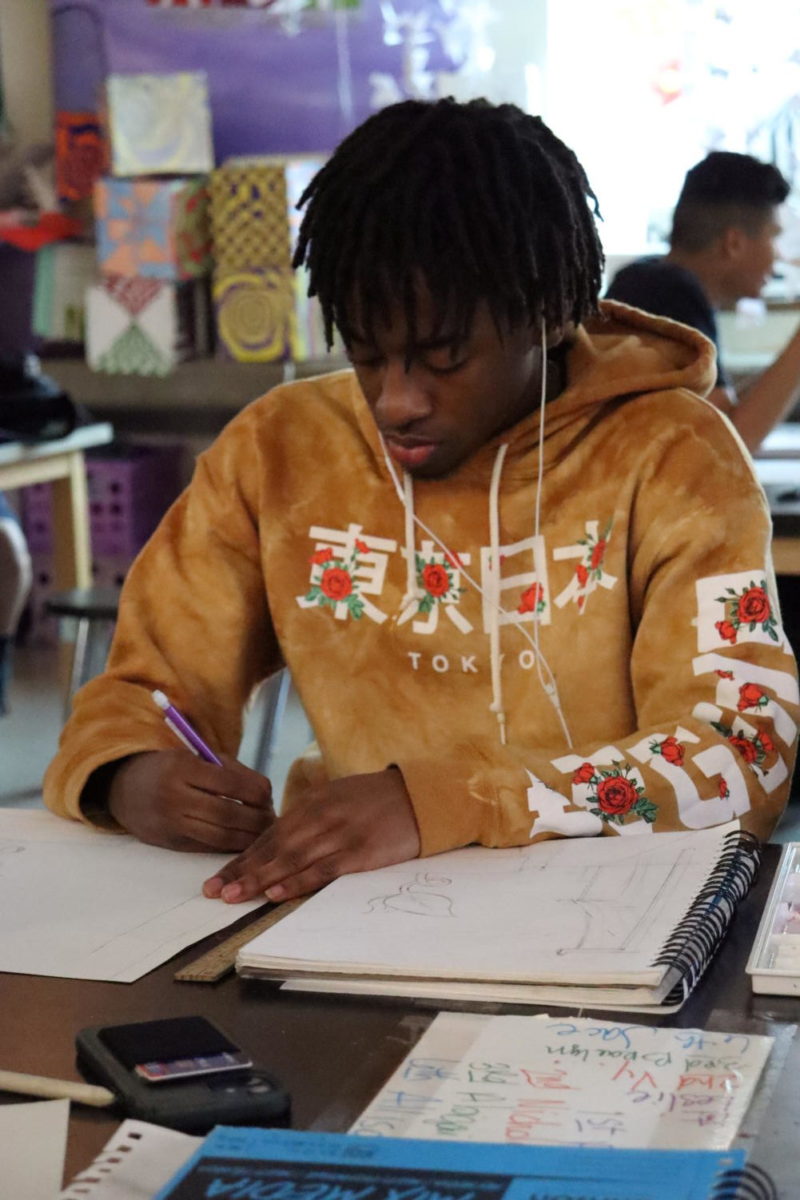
{"type": "Point", "coordinates": [183, 730]}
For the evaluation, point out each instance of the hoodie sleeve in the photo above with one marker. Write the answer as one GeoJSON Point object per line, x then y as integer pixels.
{"type": "Point", "coordinates": [713, 681]}
{"type": "Point", "coordinates": [193, 621]}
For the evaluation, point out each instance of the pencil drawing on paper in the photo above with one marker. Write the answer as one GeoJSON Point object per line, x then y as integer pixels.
{"type": "Point", "coordinates": [587, 909]}
{"type": "Point", "coordinates": [605, 909]}
{"type": "Point", "coordinates": [7, 848]}
{"type": "Point", "coordinates": [421, 896]}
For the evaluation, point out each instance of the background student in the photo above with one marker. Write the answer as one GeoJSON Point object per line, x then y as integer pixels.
{"type": "Point", "coordinates": [722, 248]}
{"type": "Point", "coordinates": [519, 572]}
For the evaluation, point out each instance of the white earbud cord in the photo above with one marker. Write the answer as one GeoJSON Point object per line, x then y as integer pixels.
{"type": "Point", "coordinates": [544, 673]}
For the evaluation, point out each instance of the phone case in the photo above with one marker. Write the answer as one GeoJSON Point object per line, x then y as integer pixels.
{"type": "Point", "coordinates": [195, 1105]}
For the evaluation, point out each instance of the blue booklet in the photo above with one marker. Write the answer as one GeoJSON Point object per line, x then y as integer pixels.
{"type": "Point", "coordinates": [276, 1164]}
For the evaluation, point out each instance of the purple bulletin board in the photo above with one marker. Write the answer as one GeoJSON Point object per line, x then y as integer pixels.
{"type": "Point", "coordinates": [272, 91]}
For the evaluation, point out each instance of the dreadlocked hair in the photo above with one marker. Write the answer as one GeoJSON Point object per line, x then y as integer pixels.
{"type": "Point", "coordinates": [479, 202]}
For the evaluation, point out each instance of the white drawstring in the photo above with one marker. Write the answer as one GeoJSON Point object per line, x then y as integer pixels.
{"type": "Point", "coordinates": [413, 590]}
{"type": "Point", "coordinates": [494, 593]}
{"type": "Point", "coordinates": [405, 495]}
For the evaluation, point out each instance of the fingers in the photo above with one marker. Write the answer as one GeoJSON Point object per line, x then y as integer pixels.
{"type": "Point", "coordinates": [172, 798]}
{"type": "Point", "coordinates": [351, 824]}
{"type": "Point", "coordinates": [233, 780]}
{"type": "Point", "coordinates": [226, 813]}
{"type": "Point", "coordinates": [287, 848]}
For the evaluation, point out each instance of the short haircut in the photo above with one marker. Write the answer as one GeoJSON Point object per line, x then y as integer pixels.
{"type": "Point", "coordinates": [724, 190]}
{"type": "Point", "coordinates": [480, 202]}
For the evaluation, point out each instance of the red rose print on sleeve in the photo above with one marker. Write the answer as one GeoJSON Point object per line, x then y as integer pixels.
{"type": "Point", "coordinates": [766, 741]}
{"type": "Point", "coordinates": [584, 773]}
{"type": "Point", "coordinates": [753, 749]}
{"type": "Point", "coordinates": [751, 696]}
{"type": "Point", "coordinates": [754, 606]}
{"type": "Point", "coordinates": [748, 609]}
{"type": "Point", "coordinates": [747, 749]}
{"type": "Point", "coordinates": [615, 793]}
{"type": "Point", "coordinates": [670, 749]}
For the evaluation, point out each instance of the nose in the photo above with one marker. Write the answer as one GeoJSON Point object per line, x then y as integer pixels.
{"type": "Point", "coordinates": [402, 397]}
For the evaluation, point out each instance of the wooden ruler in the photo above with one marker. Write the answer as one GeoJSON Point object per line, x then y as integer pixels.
{"type": "Point", "coordinates": [221, 959]}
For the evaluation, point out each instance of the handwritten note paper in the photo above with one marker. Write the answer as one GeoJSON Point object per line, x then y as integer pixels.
{"type": "Point", "coordinates": [577, 1081]}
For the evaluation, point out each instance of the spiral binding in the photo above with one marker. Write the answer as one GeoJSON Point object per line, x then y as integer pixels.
{"type": "Point", "coordinates": [749, 1183]}
{"type": "Point", "coordinates": [695, 940]}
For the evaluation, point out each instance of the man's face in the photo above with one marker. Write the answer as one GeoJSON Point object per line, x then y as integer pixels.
{"type": "Point", "coordinates": [752, 266]}
{"type": "Point", "coordinates": [453, 396]}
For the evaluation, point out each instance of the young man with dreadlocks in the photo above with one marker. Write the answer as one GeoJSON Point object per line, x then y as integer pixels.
{"type": "Point", "coordinates": [518, 569]}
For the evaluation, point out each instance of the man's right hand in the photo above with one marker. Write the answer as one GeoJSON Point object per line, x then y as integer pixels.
{"type": "Point", "coordinates": [173, 798]}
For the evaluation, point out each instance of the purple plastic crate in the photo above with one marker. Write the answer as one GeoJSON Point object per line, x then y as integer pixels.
{"type": "Point", "coordinates": [110, 571]}
{"type": "Point", "coordinates": [42, 629]}
{"type": "Point", "coordinates": [129, 493]}
{"type": "Point", "coordinates": [37, 517]}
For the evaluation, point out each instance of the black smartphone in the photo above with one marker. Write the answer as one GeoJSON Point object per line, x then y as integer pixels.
{"type": "Point", "coordinates": [182, 1072]}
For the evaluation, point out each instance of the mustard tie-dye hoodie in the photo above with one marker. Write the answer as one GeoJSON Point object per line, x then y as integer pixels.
{"type": "Point", "coordinates": [615, 665]}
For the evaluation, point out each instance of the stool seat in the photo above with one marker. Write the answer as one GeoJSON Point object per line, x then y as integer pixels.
{"type": "Point", "coordinates": [94, 603]}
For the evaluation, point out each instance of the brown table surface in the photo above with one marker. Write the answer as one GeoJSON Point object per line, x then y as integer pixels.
{"type": "Point", "coordinates": [332, 1054]}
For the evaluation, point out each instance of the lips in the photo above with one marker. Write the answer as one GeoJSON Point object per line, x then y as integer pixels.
{"type": "Point", "coordinates": [410, 453]}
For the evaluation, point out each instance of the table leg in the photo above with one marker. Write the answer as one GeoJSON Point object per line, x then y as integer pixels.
{"type": "Point", "coordinates": [72, 560]}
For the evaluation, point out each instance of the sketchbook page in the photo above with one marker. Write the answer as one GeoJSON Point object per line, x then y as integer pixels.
{"type": "Point", "coordinates": [595, 910]}
{"type": "Point", "coordinates": [33, 1137]}
{"type": "Point", "coordinates": [134, 1163]}
{"type": "Point", "coordinates": [82, 904]}
{"type": "Point", "coordinates": [554, 1081]}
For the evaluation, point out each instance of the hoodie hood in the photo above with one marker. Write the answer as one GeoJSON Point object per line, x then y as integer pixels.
{"type": "Point", "coordinates": [619, 353]}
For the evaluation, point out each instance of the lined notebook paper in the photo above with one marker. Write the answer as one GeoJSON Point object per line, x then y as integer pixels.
{"type": "Point", "coordinates": [611, 921]}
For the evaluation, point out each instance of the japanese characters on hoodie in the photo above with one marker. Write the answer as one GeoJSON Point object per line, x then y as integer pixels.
{"type": "Point", "coordinates": [615, 665]}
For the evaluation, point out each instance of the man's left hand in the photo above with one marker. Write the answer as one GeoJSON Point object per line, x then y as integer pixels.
{"type": "Point", "coordinates": [346, 825]}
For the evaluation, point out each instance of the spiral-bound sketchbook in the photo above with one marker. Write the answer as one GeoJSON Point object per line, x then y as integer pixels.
{"type": "Point", "coordinates": [625, 922]}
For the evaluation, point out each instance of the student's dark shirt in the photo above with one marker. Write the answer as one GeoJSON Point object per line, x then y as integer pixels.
{"type": "Point", "coordinates": [662, 287]}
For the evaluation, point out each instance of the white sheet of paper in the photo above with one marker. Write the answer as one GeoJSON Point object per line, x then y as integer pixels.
{"type": "Point", "coordinates": [133, 1165]}
{"type": "Point", "coordinates": [81, 904]}
{"type": "Point", "coordinates": [569, 1081]}
{"type": "Point", "coordinates": [33, 1137]}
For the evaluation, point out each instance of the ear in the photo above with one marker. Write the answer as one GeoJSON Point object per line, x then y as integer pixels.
{"type": "Point", "coordinates": [732, 242]}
